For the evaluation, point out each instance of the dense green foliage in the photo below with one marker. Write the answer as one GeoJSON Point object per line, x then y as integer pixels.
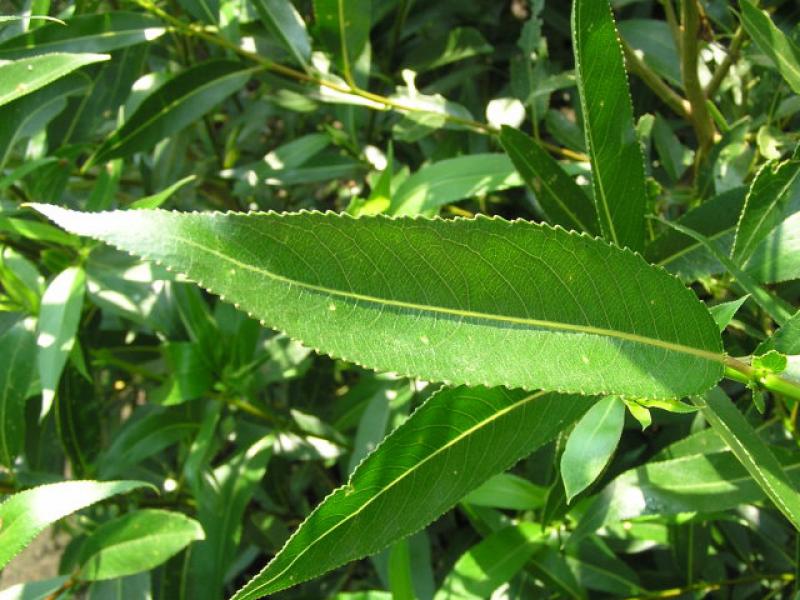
{"type": "Point", "coordinates": [367, 300]}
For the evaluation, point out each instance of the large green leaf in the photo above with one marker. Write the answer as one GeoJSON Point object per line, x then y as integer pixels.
{"type": "Point", "coordinates": [781, 50]}
{"type": "Point", "coordinates": [591, 445]}
{"type": "Point", "coordinates": [617, 165]}
{"type": "Point", "coordinates": [282, 20]}
{"type": "Point", "coordinates": [420, 470]}
{"type": "Point", "coordinates": [21, 77]}
{"type": "Point", "coordinates": [25, 514]}
{"type": "Point", "coordinates": [473, 301]}
{"type": "Point", "coordinates": [753, 453]}
{"type": "Point", "coordinates": [60, 314]}
{"type": "Point", "coordinates": [773, 193]}
{"type": "Point", "coordinates": [135, 542]}
{"type": "Point", "coordinates": [556, 192]}
{"type": "Point", "coordinates": [99, 32]}
{"type": "Point", "coordinates": [179, 102]}
{"type": "Point", "coordinates": [451, 180]}
{"type": "Point", "coordinates": [18, 349]}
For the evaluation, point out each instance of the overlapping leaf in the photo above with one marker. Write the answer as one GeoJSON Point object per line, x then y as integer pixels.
{"type": "Point", "coordinates": [482, 301]}
{"type": "Point", "coordinates": [24, 76]}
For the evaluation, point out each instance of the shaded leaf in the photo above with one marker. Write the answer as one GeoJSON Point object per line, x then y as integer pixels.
{"type": "Point", "coordinates": [135, 542]}
{"type": "Point", "coordinates": [491, 563]}
{"type": "Point", "coordinates": [282, 20]}
{"type": "Point", "coordinates": [782, 51]}
{"type": "Point", "coordinates": [556, 192]}
{"type": "Point", "coordinates": [343, 27]}
{"type": "Point", "coordinates": [180, 101]}
{"type": "Point", "coordinates": [18, 349]}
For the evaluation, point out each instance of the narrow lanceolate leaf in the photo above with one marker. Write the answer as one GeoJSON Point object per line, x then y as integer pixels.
{"type": "Point", "coordinates": [21, 77]}
{"type": "Point", "coordinates": [136, 542]}
{"type": "Point", "coordinates": [591, 445]}
{"type": "Point", "coordinates": [783, 53]}
{"type": "Point", "coordinates": [420, 470]}
{"type": "Point", "coordinates": [451, 180]}
{"type": "Point", "coordinates": [775, 188]}
{"type": "Point", "coordinates": [472, 301]}
{"type": "Point", "coordinates": [179, 102]}
{"type": "Point", "coordinates": [343, 27]}
{"type": "Point", "coordinates": [753, 453]}
{"type": "Point", "coordinates": [562, 200]}
{"type": "Point", "coordinates": [617, 164]}
{"type": "Point", "coordinates": [282, 20]}
{"type": "Point", "coordinates": [96, 32]}
{"type": "Point", "coordinates": [18, 349]}
{"type": "Point", "coordinates": [58, 323]}
{"type": "Point", "coordinates": [27, 513]}
{"type": "Point", "coordinates": [489, 564]}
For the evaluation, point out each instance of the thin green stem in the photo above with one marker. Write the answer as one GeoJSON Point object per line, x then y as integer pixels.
{"type": "Point", "coordinates": [727, 62]}
{"type": "Point", "coordinates": [743, 373]}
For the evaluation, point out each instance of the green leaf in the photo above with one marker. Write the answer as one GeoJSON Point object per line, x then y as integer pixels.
{"type": "Point", "coordinates": [99, 32]}
{"type": "Point", "coordinates": [18, 349]}
{"type": "Point", "coordinates": [451, 180]}
{"type": "Point", "coordinates": [27, 513]}
{"type": "Point", "coordinates": [30, 114]}
{"type": "Point", "coordinates": [724, 312]}
{"type": "Point", "coordinates": [785, 340]}
{"type": "Point", "coordinates": [420, 470]}
{"type": "Point", "coordinates": [135, 542]}
{"type": "Point", "coordinates": [782, 51]}
{"type": "Point", "coordinates": [282, 20]}
{"type": "Point", "coordinates": [59, 318]}
{"type": "Point", "coordinates": [21, 77]}
{"type": "Point", "coordinates": [473, 301]}
{"type": "Point", "coordinates": [774, 191]}
{"type": "Point", "coordinates": [753, 453]}
{"type": "Point", "coordinates": [508, 491]}
{"type": "Point", "coordinates": [556, 192]}
{"type": "Point", "coordinates": [777, 308]}
{"type": "Point", "coordinates": [618, 177]}
{"type": "Point", "coordinates": [489, 564]}
{"type": "Point", "coordinates": [777, 257]}
{"type": "Point", "coordinates": [206, 11]}
{"type": "Point", "coordinates": [156, 200]}
{"type": "Point", "coordinates": [706, 483]}
{"type": "Point", "coordinates": [222, 502]}
{"type": "Point", "coordinates": [343, 27]}
{"type": "Point", "coordinates": [591, 445]}
{"type": "Point", "coordinates": [654, 40]}
{"type": "Point", "coordinates": [133, 587]}
{"type": "Point", "coordinates": [687, 257]}
{"type": "Point", "coordinates": [180, 101]}
{"type": "Point", "coordinates": [33, 230]}
{"type": "Point", "coordinates": [34, 590]}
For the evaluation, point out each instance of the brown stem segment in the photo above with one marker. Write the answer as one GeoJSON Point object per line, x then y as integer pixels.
{"type": "Point", "coordinates": [690, 50]}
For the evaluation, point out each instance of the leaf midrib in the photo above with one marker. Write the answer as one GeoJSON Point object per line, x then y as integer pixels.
{"type": "Point", "coordinates": [453, 312]}
{"type": "Point", "coordinates": [399, 478]}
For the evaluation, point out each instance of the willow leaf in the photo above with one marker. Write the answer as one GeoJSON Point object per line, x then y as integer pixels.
{"type": "Point", "coordinates": [21, 77]}
{"type": "Point", "coordinates": [421, 470]}
{"type": "Point", "coordinates": [26, 514]}
{"type": "Point", "coordinates": [781, 50]}
{"type": "Point", "coordinates": [617, 164]}
{"type": "Point", "coordinates": [472, 301]}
